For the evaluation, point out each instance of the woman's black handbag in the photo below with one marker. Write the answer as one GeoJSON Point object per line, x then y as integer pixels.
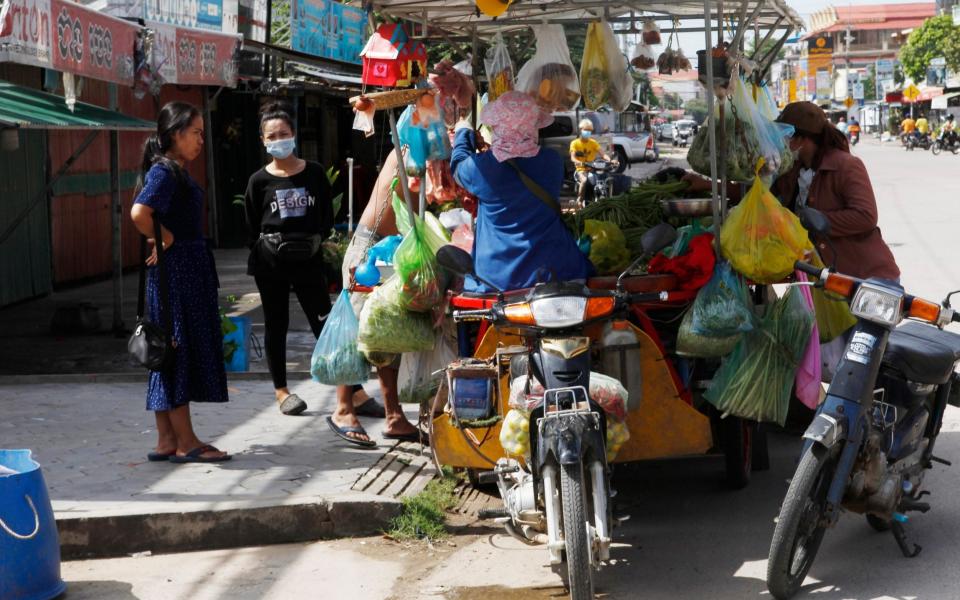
{"type": "Point", "coordinates": [291, 247]}
{"type": "Point", "coordinates": [150, 345]}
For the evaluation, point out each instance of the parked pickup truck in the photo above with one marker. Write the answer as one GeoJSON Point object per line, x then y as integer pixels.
{"type": "Point", "coordinates": [622, 134]}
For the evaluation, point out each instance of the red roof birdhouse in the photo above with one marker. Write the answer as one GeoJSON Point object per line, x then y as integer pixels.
{"type": "Point", "coordinates": [392, 59]}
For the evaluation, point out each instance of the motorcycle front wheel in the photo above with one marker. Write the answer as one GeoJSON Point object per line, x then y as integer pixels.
{"type": "Point", "coordinates": [936, 148]}
{"type": "Point", "coordinates": [800, 527]}
{"type": "Point", "coordinates": [574, 495]}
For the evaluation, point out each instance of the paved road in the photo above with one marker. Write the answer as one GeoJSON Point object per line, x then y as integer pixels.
{"type": "Point", "coordinates": [688, 537]}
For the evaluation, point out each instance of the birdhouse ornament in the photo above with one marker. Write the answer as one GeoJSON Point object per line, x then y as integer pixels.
{"type": "Point", "coordinates": [392, 59]}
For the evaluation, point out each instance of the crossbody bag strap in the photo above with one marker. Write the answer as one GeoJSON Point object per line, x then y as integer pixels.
{"type": "Point", "coordinates": [164, 291]}
{"type": "Point", "coordinates": [535, 188]}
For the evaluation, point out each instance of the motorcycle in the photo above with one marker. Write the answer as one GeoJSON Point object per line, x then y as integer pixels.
{"type": "Point", "coordinates": [946, 142]}
{"type": "Point", "coordinates": [854, 134]}
{"type": "Point", "coordinates": [563, 489]}
{"type": "Point", "coordinates": [681, 138]}
{"type": "Point", "coordinates": [873, 437]}
{"type": "Point", "coordinates": [917, 140]}
{"type": "Point", "coordinates": [600, 185]}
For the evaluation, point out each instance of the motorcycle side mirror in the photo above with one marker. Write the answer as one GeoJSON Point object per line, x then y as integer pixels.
{"type": "Point", "coordinates": [814, 221]}
{"type": "Point", "coordinates": [657, 238]}
{"type": "Point", "coordinates": [458, 261]}
{"type": "Point", "coordinates": [652, 241]}
{"type": "Point", "coordinates": [946, 301]}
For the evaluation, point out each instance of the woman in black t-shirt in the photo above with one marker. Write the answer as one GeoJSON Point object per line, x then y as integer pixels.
{"type": "Point", "coordinates": [287, 202]}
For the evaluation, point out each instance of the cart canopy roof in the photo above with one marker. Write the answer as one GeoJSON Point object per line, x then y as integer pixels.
{"type": "Point", "coordinates": [461, 17]}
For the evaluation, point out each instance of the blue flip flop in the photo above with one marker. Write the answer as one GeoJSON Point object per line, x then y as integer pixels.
{"type": "Point", "coordinates": [159, 456]}
{"type": "Point", "coordinates": [342, 432]}
{"type": "Point", "coordinates": [195, 456]}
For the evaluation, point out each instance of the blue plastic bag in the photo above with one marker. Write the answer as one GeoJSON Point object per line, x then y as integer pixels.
{"type": "Point", "coordinates": [415, 139]}
{"type": "Point", "coordinates": [336, 359]}
{"type": "Point", "coordinates": [722, 307]}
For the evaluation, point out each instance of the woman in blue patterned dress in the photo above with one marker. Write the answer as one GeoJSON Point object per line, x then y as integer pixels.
{"type": "Point", "coordinates": [196, 374]}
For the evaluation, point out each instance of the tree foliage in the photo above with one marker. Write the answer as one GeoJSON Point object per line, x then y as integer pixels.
{"type": "Point", "coordinates": [937, 37]}
{"type": "Point", "coordinates": [697, 108]}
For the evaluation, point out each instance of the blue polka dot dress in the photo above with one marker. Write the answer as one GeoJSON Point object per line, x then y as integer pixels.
{"type": "Point", "coordinates": [197, 371]}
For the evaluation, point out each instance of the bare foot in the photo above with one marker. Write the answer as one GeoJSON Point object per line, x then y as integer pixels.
{"type": "Point", "coordinates": [359, 397]}
{"type": "Point", "coordinates": [167, 445]}
{"type": "Point", "coordinates": [345, 419]}
{"type": "Point", "coordinates": [399, 425]}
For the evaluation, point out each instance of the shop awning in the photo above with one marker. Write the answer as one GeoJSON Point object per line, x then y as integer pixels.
{"type": "Point", "coordinates": [27, 108]}
{"type": "Point", "coordinates": [942, 102]}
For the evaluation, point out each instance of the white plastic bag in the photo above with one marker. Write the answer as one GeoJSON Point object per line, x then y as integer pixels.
{"type": "Point", "coordinates": [643, 57]}
{"type": "Point", "coordinates": [421, 372]}
{"type": "Point", "coordinates": [604, 78]}
{"type": "Point", "coordinates": [651, 32]}
{"type": "Point", "coordinates": [606, 391]}
{"type": "Point", "coordinates": [549, 76]}
{"type": "Point", "coordinates": [499, 69]}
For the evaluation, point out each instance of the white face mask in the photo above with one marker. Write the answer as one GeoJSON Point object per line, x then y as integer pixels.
{"type": "Point", "coordinates": [281, 148]}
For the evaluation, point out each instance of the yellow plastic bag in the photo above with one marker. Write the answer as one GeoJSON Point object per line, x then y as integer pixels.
{"type": "Point", "coordinates": [761, 238]}
{"type": "Point", "coordinates": [833, 315]}
{"type": "Point", "coordinates": [608, 247]}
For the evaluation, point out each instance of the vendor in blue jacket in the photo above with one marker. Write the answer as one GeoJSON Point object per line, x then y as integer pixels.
{"type": "Point", "coordinates": [520, 239]}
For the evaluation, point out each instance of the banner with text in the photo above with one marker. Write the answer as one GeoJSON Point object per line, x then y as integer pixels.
{"type": "Point", "coordinates": [327, 29]}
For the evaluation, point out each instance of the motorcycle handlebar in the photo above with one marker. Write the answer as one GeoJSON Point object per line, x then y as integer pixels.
{"type": "Point", "coordinates": [808, 269]}
{"type": "Point", "coordinates": [472, 315]}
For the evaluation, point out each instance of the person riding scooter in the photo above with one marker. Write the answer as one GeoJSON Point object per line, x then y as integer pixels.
{"type": "Point", "coordinates": [853, 132]}
{"type": "Point", "coordinates": [583, 151]}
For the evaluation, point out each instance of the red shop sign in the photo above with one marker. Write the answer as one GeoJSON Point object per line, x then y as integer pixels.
{"type": "Point", "coordinates": [88, 43]}
{"type": "Point", "coordinates": [205, 58]}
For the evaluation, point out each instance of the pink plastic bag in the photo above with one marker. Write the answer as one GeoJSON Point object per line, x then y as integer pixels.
{"type": "Point", "coordinates": [463, 238]}
{"type": "Point", "coordinates": [808, 373]}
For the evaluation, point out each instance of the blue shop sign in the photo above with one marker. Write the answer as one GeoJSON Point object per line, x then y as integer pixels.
{"type": "Point", "coordinates": [327, 29]}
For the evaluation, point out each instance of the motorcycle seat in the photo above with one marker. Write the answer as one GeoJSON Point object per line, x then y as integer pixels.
{"type": "Point", "coordinates": [922, 353]}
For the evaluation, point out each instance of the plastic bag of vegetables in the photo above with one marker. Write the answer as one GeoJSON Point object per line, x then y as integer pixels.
{"type": "Point", "coordinates": [754, 382]}
{"type": "Point", "coordinates": [526, 393]}
{"type": "Point", "coordinates": [415, 260]}
{"type": "Point", "coordinates": [336, 359]}
{"type": "Point", "coordinates": [700, 346]}
{"type": "Point", "coordinates": [608, 247]}
{"type": "Point", "coordinates": [722, 307]}
{"type": "Point", "coordinates": [388, 328]}
{"type": "Point", "coordinates": [549, 76]}
{"type": "Point", "coordinates": [768, 139]}
{"type": "Point", "coordinates": [762, 239]}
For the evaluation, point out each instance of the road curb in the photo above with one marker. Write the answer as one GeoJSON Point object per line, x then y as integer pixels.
{"type": "Point", "coordinates": [217, 528]}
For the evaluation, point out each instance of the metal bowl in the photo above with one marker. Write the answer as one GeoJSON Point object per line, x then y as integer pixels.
{"type": "Point", "coordinates": [687, 207]}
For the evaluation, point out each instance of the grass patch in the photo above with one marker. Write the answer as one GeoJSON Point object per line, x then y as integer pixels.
{"type": "Point", "coordinates": [423, 516]}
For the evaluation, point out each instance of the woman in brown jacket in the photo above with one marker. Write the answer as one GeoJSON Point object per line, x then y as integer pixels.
{"type": "Point", "coordinates": [830, 179]}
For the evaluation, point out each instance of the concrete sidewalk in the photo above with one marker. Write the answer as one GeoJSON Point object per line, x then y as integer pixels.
{"type": "Point", "coordinates": [28, 347]}
{"type": "Point", "coordinates": [291, 479]}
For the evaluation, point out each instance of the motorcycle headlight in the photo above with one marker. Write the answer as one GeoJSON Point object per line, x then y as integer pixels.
{"type": "Point", "coordinates": [878, 304]}
{"type": "Point", "coordinates": [562, 311]}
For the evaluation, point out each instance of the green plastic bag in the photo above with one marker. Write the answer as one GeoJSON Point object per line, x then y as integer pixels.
{"type": "Point", "coordinates": [694, 345]}
{"type": "Point", "coordinates": [608, 247]}
{"type": "Point", "coordinates": [755, 381]}
{"type": "Point", "coordinates": [722, 307]}
{"type": "Point", "coordinates": [388, 328]}
{"type": "Point", "coordinates": [415, 262]}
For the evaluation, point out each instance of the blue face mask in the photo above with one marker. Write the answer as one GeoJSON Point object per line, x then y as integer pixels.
{"type": "Point", "coordinates": [281, 148]}
{"type": "Point", "coordinates": [585, 134]}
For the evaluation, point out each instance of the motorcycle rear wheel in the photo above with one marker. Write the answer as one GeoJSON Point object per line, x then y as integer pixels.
{"type": "Point", "coordinates": [800, 527]}
{"type": "Point", "coordinates": [579, 569]}
{"type": "Point", "coordinates": [737, 438]}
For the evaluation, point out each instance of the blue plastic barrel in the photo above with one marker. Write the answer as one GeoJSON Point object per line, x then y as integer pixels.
{"type": "Point", "coordinates": [29, 545]}
{"type": "Point", "coordinates": [240, 361]}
